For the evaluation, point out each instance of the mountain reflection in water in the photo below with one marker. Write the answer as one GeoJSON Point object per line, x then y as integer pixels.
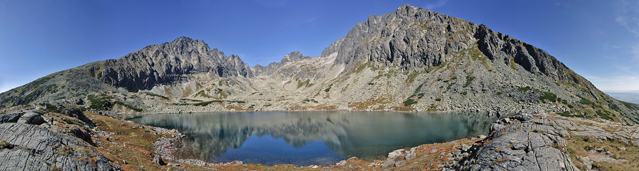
{"type": "Point", "coordinates": [319, 138]}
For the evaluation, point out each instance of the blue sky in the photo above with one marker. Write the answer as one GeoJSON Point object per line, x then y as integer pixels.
{"type": "Point", "coordinates": [597, 39]}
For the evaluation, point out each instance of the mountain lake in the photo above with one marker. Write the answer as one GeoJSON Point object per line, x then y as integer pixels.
{"type": "Point", "coordinates": [311, 138]}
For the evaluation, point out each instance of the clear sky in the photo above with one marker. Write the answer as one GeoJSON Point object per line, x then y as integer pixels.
{"type": "Point", "coordinates": [599, 39]}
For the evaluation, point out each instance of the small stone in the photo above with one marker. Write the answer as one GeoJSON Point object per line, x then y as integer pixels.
{"type": "Point", "coordinates": [158, 160]}
{"type": "Point", "coordinates": [481, 136]}
{"type": "Point", "coordinates": [465, 147]}
{"type": "Point", "coordinates": [395, 153]}
{"type": "Point", "coordinates": [622, 148]}
{"type": "Point", "coordinates": [410, 155]}
{"type": "Point", "coordinates": [388, 162]}
{"type": "Point", "coordinates": [399, 163]}
{"type": "Point", "coordinates": [341, 163]}
{"type": "Point", "coordinates": [433, 151]}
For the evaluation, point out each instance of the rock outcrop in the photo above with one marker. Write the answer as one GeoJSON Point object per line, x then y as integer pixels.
{"type": "Point", "coordinates": [167, 63]}
{"type": "Point", "coordinates": [410, 37]}
{"type": "Point", "coordinates": [259, 70]}
{"type": "Point", "coordinates": [35, 148]}
{"type": "Point", "coordinates": [523, 143]}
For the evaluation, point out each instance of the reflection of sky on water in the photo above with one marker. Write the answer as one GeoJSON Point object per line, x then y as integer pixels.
{"type": "Point", "coordinates": [324, 137]}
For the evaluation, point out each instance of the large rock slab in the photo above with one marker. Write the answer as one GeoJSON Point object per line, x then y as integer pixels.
{"type": "Point", "coordinates": [35, 148]}
{"type": "Point", "coordinates": [32, 117]}
{"type": "Point", "coordinates": [11, 118]}
{"type": "Point", "coordinates": [522, 143]}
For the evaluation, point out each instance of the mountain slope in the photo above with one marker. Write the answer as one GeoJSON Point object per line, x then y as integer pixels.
{"type": "Point", "coordinates": [411, 59]}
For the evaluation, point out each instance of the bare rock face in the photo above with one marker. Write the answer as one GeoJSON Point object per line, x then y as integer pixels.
{"type": "Point", "coordinates": [522, 143]}
{"type": "Point", "coordinates": [410, 37]}
{"type": "Point", "coordinates": [272, 67]}
{"type": "Point", "coordinates": [167, 63]}
{"type": "Point", "coordinates": [32, 117]}
{"type": "Point", "coordinates": [10, 118]}
{"type": "Point", "coordinates": [34, 148]}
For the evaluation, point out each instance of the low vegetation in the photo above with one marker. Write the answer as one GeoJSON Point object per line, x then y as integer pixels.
{"type": "Point", "coordinates": [97, 102]}
{"type": "Point", "coordinates": [548, 96]}
{"type": "Point", "coordinates": [329, 88]}
{"type": "Point", "coordinates": [523, 89]}
{"type": "Point", "coordinates": [469, 79]}
{"type": "Point", "coordinates": [157, 95]}
{"type": "Point", "coordinates": [128, 106]}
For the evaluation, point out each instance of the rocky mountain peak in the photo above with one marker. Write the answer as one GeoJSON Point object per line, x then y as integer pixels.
{"type": "Point", "coordinates": [273, 66]}
{"type": "Point", "coordinates": [412, 38]}
{"type": "Point", "coordinates": [293, 57]}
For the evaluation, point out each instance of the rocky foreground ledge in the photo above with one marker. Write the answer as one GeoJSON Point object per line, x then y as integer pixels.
{"type": "Point", "coordinates": [67, 139]}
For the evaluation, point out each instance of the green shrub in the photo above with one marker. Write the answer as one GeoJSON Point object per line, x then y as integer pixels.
{"type": "Point", "coordinates": [585, 101]}
{"type": "Point", "coordinates": [469, 79]}
{"type": "Point", "coordinates": [523, 89]}
{"type": "Point", "coordinates": [329, 88]}
{"type": "Point", "coordinates": [438, 99]}
{"type": "Point", "coordinates": [464, 93]}
{"type": "Point", "coordinates": [409, 102]}
{"type": "Point", "coordinates": [449, 85]}
{"type": "Point", "coordinates": [156, 95]}
{"type": "Point", "coordinates": [566, 114]}
{"type": "Point", "coordinates": [499, 93]}
{"type": "Point", "coordinates": [96, 102]}
{"type": "Point", "coordinates": [604, 115]}
{"type": "Point", "coordinates": [630, 105]}
{"type": "Point", "coordinates": [128, 106]}
{"type": "Point", "coordinates": [548, 96]}
{"type": "Point", "coordinates": [206, 103]}
{"type": "Point", "coordinates": [419, 88]}
{"type": "Point", "coordinates": [51, 107]}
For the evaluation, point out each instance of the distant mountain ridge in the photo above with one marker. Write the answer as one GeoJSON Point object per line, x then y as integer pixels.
{"type": "Point", "coordinates": [411, 59]}
{"type": "Point", "coordinates": [167, 63]}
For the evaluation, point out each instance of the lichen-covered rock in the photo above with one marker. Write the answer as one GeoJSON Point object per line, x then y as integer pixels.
{"type": "Point", "coordinates": [36, 148]}
{"type": "Point", "coordinates": [522, 143]}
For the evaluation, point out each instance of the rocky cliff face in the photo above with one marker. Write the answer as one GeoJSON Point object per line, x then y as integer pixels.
{"type": "Point", "coordinates": [412, 38]}
{"type": "Point", "coordinates": [167, 63]}
{"type": "Point", "coordinates": [259, 70]}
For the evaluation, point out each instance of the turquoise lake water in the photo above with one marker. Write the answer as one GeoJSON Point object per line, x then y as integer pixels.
{"type": "Point", "coordinates": [312, 138]}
